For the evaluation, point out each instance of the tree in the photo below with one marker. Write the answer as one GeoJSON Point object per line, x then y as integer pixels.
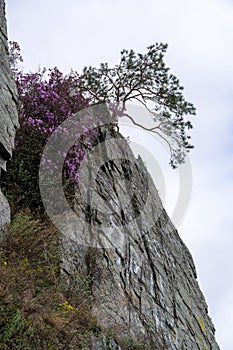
{"type": "Point", "coordinates": [47, 98]}
{"type": "Point", "coordinates": [144, 78]}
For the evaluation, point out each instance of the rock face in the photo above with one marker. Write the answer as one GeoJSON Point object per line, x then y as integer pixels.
{"type": "Point", "coordinates": [143, 278]}
{"type": "Point", "coordinates": [144, 281]}
{"type": "Point", "coordinates": [8, 112]}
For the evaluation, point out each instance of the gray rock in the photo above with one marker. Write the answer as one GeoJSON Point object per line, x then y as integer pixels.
{"type": "Point", "coordinates": [143, 277]}
{"type": "Point", "coordinates": [4, 213]}
{"type": "Point", "coordinates": [104, 343]}
{"type": "Point", "coordinates": [8, 93]}
{"type": "Point", "coordinates": [8, 112]}
{"type": "Point", "coordinates": [144, 281]}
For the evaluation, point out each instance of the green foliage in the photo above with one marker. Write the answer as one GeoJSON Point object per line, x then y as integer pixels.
{"type": "Point", "coordinates": [146, 79]}
{"type": "Point", "coordinates": [15, 332]}
{"type": "Point", "coordinates": [20, 183]}
{"type": "Point", "coordinates": [40, 308]}
{"type": "Point", "coordinates": [47, 98]}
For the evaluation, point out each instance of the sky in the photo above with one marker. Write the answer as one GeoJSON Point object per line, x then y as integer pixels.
{"type": "Point", "coordinates": [74, 33]}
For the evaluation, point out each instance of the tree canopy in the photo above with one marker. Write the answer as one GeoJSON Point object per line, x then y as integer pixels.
{"type": "Point", "coordinates": [48, 97]}
{"type": "Point", "coordinates": [146, 79]}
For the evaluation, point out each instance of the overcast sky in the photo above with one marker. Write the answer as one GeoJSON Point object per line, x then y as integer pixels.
{"type": "Point", "coordinates": [74, 33]}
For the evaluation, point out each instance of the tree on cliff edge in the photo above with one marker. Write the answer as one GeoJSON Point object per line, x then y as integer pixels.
{"type": "Point", "coordinates": [146, 79]}
{"type": "Point", "coordinates": [47, 98]}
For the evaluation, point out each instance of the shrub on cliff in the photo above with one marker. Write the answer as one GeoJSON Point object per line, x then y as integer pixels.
{"type": "Point", "coordinates": [47, 98]}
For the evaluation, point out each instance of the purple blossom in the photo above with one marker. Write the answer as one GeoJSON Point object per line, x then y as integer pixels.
{"type": "Point", "coordinates": [45, 102]}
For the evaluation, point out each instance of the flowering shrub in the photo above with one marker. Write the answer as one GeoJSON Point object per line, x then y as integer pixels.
{"type": "Point", "coordinates": [46, 99]}
{"type": "Point", "coordinates": [45, 103]}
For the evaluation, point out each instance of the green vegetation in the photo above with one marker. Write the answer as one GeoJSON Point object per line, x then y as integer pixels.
{"type": "Point", "coordinates": [146, 79]}
{"type": "Point", "coordinates": [38, 310]}
{"type": "Point", "coordinates": [48, 97]}
{"type": "Point", "coordinates": [40, 307]}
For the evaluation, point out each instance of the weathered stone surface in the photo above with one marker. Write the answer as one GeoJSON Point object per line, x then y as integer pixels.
{"type": "Point", "coordinates": [8, 111]}
{"type": "Point", "coordinates": [104, 343]}
{"type": "Point", "coordinates": [146, 288]}
{"type": "Point", "coordinates": [143, 276]}
{"type": "Point", "coordinates": [8, 93]}
{"type": "Point", "coordinates": [4, 213]}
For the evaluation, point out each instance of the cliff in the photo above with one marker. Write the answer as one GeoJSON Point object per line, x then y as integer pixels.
{"type": "Point", "coordinates": [8, 112]}
{"type": "Point", "coordinates": [144, 281]}
{"type": "Point", "coordinates": [142, 278]}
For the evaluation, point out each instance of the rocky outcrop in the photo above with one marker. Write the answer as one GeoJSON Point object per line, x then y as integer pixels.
{"type": "Point", "coordinates": [144, 281]}
{"type": "Point", "coordinates": [8, 112]}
